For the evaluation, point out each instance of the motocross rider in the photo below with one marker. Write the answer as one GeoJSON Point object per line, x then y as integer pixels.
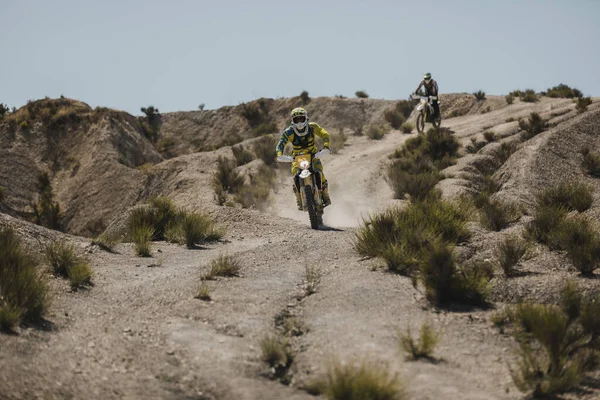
{"type": "Point", "coordinates": [302, 135]}
{"type": "Point", "coordinates": [431, 89]}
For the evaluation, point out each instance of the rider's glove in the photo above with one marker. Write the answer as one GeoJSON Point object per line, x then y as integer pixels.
{"type": "Point", "coordinates": [279, 154]}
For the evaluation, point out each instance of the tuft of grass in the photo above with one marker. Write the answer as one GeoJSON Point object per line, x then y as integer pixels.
{"type": "Point", "coordinates": [571, 195]}
{"type": "Point", "coordinates": [506, 149]}
{"type": "Point", "coordinates": [591, 162]}
{"type": "Point", "coordinates": [582, 104]}
{"type": "Point", "coordinates": [361, 94]}
{"type": "Point", "coordinates": [313, 275]}
{"type": "Point", "coordinates": [276, 353]}
{"type": "Point", "coordinates": [407, 127]}
{"type": "Point", "coordinates": [61, 257]}
{"type": "Point", "coordinates": [533, 126]}
{"type": "Point", "coordinates": [80, 274]}
{"type": "Point", "coordinates": [490, 136]}
{"type": "Point", "coordinates": [191, 228]}
{"type": "Point", "coordinates": [107, 240]}
{"type": "Point", "coordinates": [226, 178]}
{"type": "Point", "coordinates": [203, 292]}
{"type": "Point", "coordinates": [241, 155]}
{"type": "Point", "coordinates": [225, 266]}
{"type": "Point", "coordinates": [545, 220]}
{"type": "Point", "coordinates": [479, 95]}
{"type": "Point", "coordinates": [23, 292]}
{"type": "Point", "coordinates": [509, 252]}
{"type": "Point", "coordinates": [142, 239]}
{"type": "Point", "coordinates": [376, 132]}
{"type": "Point", "coordinates": [157, 214]}
{"type": "Point", "coordinates": [264, 148]}
{"type": "Point", "coordinates": [509, 99]}
{"type": "Point", "coordinates": [580, 240]}
{"type": "Point", "coordinates": [358, 382]}
{"type": "Point", "coordinates": [421, 348]}
{"type": "Point", "coordinates": [496, 215]}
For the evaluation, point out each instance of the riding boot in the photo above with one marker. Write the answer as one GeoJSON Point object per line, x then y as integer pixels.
{"type": "Point", "coordinates": [325, 194]}
{"type": "Point", "coordinates": [298, 198]}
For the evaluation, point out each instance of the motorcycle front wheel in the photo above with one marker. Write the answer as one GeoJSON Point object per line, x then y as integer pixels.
{"type": "Point", "coordinates": [420, 123]}
{"type": "Point", "coordinates": [437, 121]}
{"type": "Point", "coordinates": [312, 210]}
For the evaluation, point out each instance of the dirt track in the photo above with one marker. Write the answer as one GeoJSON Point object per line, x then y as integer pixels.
{"type": "Point", "coordinates": [139, 333]}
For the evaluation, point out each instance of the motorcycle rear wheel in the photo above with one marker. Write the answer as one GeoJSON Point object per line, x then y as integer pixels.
{"type": "Point", "coordinates": [312, 210]}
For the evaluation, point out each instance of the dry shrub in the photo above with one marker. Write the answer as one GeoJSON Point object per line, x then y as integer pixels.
{"type": "Point", "coordinates": [421, 348]}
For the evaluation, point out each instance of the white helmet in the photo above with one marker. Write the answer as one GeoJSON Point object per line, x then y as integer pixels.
{"type": "Point", "coordinates": [299, 120]}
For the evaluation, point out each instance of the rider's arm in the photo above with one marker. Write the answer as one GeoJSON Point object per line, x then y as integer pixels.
{"type": "Point", "coordinates": [322, 133]}
{"type": "Point", "coordinates": [285, 136]}
{"type": "Point", "coordinates": [435, 85]}
{"type": "Point", "coordinates": [419, 87]}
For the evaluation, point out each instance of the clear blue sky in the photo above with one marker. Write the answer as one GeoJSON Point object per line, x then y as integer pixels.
{"type": "Point", "coordinates": [177, 54]}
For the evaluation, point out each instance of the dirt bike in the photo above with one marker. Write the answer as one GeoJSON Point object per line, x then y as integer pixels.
{"type": "Point", "coordinates": [309, 185]}
{"type": "Point", "coordinates": [426, 112]}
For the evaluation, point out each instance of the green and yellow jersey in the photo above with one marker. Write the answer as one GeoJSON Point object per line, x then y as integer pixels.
{"type": "Point", "coordinates": [303, 144]}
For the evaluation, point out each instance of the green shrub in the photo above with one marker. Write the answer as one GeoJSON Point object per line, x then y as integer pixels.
{"type": "Point", "coordinates": [490, 136]}
{"type": "Point", "coordinates": [107, 240]}
{"type": "Point", "coordinates": [376, 132]}
{"type": "Point", "coordinates": [479, 95]}
{"type": "Point", "coordinates": [497, 215]}
{"type": "Point", "coordinates": [571, 195]}
{"type": "Point", "coordinates": [361, 94]}
{"type": "Point", "coordinates": [564, 91]}
{"type": "Point", "coordinates": [394, 117]}
{"type": "Point", "coordinates": [203, 292]}
{"type": "Point", "coordinates": [417, 185]}
{"type": "Point", "coordinates": [242, 156]}
{"type": "Point", "coordinates": [580, 240]}
{"type": "Point", "coordinates": [509, 99]}
{"type": "Point", "coordinates": [304, 98]}
{"type": "Point", "coordinates": [264, 148]}
{"type": "Point", "coordinates": [533, 126]}
{"type": "Point", "coordinates": [80, 274]}
{"type": "Point", "coordinates": [545, 220]}
{"type": "Point", "coordinates": [509, 252]}
{"type": "Point", "coordinates": [591, 162]}
{"type": "Point", "coordinates": [528, 95]}
{"type": "Point", "coordinates": [253, 113]}
{"type": "Point", "coordinates": [46, 212]}
{"type": "Point", "coordinates": [195, 228]}
{"type": "Point", "coordinates": [61, 257]}
{"type": "Point", "coordinates": [407, 127]}
{"type": "Point", "coordinates": [506, 149]}
{"type": "Point", "coordinates": [23, 292]}
{"type": "Point", "coordinates": [424, 347]}
{"type": "Point", "coordinates": [157, 214]}
{"type": "Point", "coordinates": [358, 382]}
{"type": "Point", "coordinates": [226, 177]}
{"type": "Point", "coordinates": [264, 129]}
{"type": "Point", "coordinates": [142, 237]}
{"type": "Point", "coordinates": [582, 104]}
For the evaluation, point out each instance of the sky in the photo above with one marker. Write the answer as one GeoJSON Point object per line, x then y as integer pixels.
{"type": "Point", "coordinates": [178, 54]}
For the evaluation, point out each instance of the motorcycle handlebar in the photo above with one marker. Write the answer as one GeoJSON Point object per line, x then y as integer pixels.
{"type": "Point", "coordinates": [318, 154]}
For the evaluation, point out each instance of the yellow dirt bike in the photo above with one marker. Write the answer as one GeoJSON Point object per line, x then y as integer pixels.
{"type": "Point", "coordinates": [308, 184]}
{"type": "Point", "coordinates": [426, 112]}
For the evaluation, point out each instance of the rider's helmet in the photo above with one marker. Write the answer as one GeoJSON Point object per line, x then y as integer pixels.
{"type": "Point", "coordinates": [299, 120]}
{"type": "Point", "coordinates": [427, 77]}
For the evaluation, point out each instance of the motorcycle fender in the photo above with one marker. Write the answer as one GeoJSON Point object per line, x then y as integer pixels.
{"type": "Point", "coordinates": [420, 107]}
{"type": "Point", "coordinates": [305, 174]}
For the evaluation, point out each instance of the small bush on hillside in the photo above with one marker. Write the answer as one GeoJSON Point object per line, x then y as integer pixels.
{"type": "Point", "coordinates": [359, 119]}
{"type": "Point", "coordinates": [313, 275]}
{"type": "Point", "coordinates": [46, 212]}
{"type": "Point", "coordinates": [195, 228]}
{"type": "Point", "coordinates": [545, 220]}
{"type": "Point", "coordinates": [479, 95]}
{"type": "Point", "coordinates": [509, 252]}
{"type": "Point", "coordinates": [528, 95]}
{"type": "Point", "coordinates": [142, 238]}
{"type": "Point", "coordinates": [421, 348]}
{"type": "Point", "coordinates": [591, 162]}
{"type": "Point", "coordinates": [304, 98]}
{"type": "Point", "coordinates": [256, 193]}
{"type": "Point", "coordinates": [23, 292]}
{"type": "Point", "coordinates": [2, 194]}
{"type": "Point", "coordinates": [264, 148]}
{"type": "Point", "coordinates": [3, 110]}
{"type": "Point", "coordinates": [157, 214]}
{"type": "Point", "coordinates": [580, 240]}
{"type": "Point", "coordinates": [571, 195]}
{"type": "Point", "coordinates": [506, 149]}
{"type": "Point", "coordinates": [582, 104]}
{"type": "Point", "coordinates": [203, 292]}
{"type": "Point", "coordinates": [407, 127]}
{"type": "Point", "coordinates": [376, 132]}
{"type": "Point", "coordinates": [509, 99]}
{"type": "Point", "coordinates": [61, 257]}
{"type": "Point", "coordinates": [564, 91]}
{"type": "Point", "coordinates": [337, 141]}
{"type": "Point", "coordinates": [107, 240]}
{"type": "Point", "coordinates": [225, 266]}
{"type": "Point", "coordinates": [475, 146]}
{"type": "Point", "coordinates": [252, 113]}
{"type": "Point", "coordinates": [80, 274]}
{"type": "Point", "coordinates": [242, 156]}
{"type": "Point", "coordinates": [497, 215]}
{"type": "Point", "coordinates": [445, 283]}
{"type": "Point", "coordinates": [358, 382]}
{"type": "Point", "coordinates": [165, 146]}
{"type": "Point", "coordinates": [394, 117]}
{"type": "Point", "coordinates": [557, 344]}
{"type": "Point", "coordinates": [277, 354]}
{"type": "Point", "coordinates": [226, 177]}
{"type": "Point", "coordinates": [361, 94]}
{"type": "Point", "coordinates": [264, 129]}
{"type": "Point", "coordinates": [533, 126]}
{"type": "Point", "coordinates": [490, 136]}
{"type": "Point", "coordinates": [416, 185]}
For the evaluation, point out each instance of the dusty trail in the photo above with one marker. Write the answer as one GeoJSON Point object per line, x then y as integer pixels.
{"type": "Point", "coordinates": [139, 333]}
